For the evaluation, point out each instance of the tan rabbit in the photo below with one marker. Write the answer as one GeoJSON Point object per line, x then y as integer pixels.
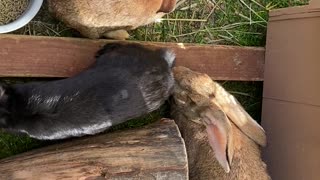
{"type": "Point", "coordinates": [222, 139]}
{"type": "Point", "coordinates": [109, 18]}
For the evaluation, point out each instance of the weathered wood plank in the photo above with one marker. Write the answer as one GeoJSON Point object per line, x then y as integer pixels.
{"type": "Point", "coordinates": [31, 56]}
{"type": "Point", "coordinates": [155, 151]}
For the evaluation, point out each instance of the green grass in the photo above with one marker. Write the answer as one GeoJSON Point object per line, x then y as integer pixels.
{"type": "Point", "coordinates": [249, 94]}
{"type": "Point", "coordinates": [234, 22]}
{"type": "Point", "coordinates": [230, 22]}
{"type": "Point", "coordinates": [15, 144]}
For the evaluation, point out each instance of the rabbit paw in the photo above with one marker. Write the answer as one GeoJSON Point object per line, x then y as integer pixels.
{"type": "Point", "coordinates": [117, 34]}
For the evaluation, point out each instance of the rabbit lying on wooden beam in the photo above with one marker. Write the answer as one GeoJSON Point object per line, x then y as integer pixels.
{"type": "Point", "coordinates": [222, 139]}
{"type": "Point", "coordinates": [125, 82]}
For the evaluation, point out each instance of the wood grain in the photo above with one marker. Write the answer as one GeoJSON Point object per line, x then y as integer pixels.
{"type": "Point", "coordinates": [155, 151]}
{"type": "Point", "coordinates": [31, 56]}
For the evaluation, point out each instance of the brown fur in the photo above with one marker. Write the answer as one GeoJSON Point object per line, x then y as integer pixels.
{"type": "Point", "coordinates": [95, 18]}
{"type": "Point", "coordinates": [167, 6]}
{"type": "Point", "coordinates": [246, 164]}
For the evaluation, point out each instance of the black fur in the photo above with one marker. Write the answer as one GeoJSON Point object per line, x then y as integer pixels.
{"type": "Point", "coordinates": [126, 81]}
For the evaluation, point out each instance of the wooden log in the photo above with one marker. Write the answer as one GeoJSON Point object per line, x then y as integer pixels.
{"type": "Point", "coordinates": [31, 56]}
{"type": "Point", "coordinates": [155, 151]}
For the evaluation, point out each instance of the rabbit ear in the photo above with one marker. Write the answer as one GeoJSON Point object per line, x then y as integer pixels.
{"type": "Point", "coordinates": [220, 136]}
{"type": "Point", "coordinates": [167, 6]}
{"type": "Point", "coordinates": [238, 115]}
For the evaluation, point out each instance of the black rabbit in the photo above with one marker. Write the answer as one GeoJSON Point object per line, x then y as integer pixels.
{"type": "Point", "coordinates": [125, 82]}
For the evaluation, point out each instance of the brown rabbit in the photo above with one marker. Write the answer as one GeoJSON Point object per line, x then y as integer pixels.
{"type": "Point", "coordinates": [109, 18]}
{"type": "Point", "coordinates": [209, 119]}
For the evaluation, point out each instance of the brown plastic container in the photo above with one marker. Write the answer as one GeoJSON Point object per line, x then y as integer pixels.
{"type": "Point", "coordinates": [291, 97]}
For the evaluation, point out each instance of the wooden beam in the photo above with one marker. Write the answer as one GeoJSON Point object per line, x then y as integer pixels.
{"type": "Point", "coordinates": [314, 3]}
{"type": "Point", "coordinates": [34, 56]}
{"type": "Point", "coordinates": [155, 151]}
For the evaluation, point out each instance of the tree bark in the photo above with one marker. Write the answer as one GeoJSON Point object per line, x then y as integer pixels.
{"type": "Point", "coordinates": [156, 151]}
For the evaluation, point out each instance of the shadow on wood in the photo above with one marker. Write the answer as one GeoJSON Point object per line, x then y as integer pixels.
{"type": "Point", "coordinates": [155, 151]}
{"type": "Point", "coordinates": [31, 56]}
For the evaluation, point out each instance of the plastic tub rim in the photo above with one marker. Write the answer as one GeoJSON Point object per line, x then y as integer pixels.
{"type": "Point", "coordinates": [31, 11]}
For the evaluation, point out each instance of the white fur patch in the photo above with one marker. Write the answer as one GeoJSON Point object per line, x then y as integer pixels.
{"type": "Point", "coordinates": [92, 129]}
{"type": "Point", "coordinates": [2, 91]}
{"type": "Point", "coordinates": [124, 94]}
{"type": "Point", "coordinates": [169, 56]}
{"type": "Point", "coordinates": [48, 102]}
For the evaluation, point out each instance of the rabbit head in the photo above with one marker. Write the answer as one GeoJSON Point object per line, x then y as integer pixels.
{"type": "Point", "coordinates": [204, 101]}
